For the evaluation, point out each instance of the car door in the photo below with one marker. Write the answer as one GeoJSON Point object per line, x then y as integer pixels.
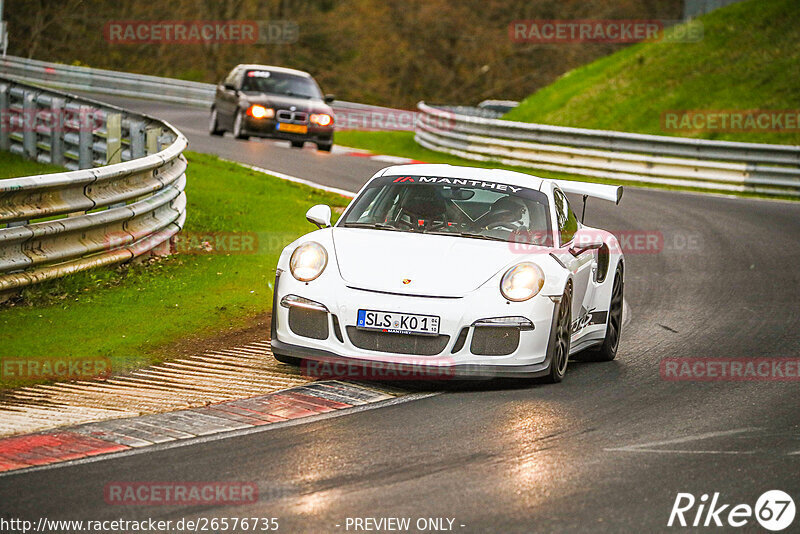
{"type": "Point", "coordinates": [580, 265]}
{"type": "Point", "coordinates": [227, 99]}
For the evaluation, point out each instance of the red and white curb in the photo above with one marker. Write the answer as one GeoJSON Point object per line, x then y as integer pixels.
{"type": "Point", "coordinates": [120, 435]}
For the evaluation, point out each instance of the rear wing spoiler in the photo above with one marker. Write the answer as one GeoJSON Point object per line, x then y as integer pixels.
{"type": "Point", "coordinates": [612, 193]}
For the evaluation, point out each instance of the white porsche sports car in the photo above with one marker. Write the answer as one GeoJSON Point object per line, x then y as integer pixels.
{"type": "Point", "coordinates": [446, 271]}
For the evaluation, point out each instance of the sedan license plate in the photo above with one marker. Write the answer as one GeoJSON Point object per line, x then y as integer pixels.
{"type": "Point", "coordinates": [398, 323]}
{"type": "Point", "coordinates": [292, 128]}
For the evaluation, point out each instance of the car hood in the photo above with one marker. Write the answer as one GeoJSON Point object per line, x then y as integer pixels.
{"type": "Point", "coordinates": [417, 264]}
{"type": "Point", "coordinates": [307, 105]}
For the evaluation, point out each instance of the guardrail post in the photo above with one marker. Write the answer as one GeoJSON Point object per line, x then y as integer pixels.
{"type": "Point", "coordinates": [85, 138]}
{"type": "Point", "coordinates": [57, 131]}
{"type": "Point", "coordinates": [151, 136]}
{"type": "Point", "coordinates": [5, 117]}
{"type": "Point", "coordinates": [29, 124]}
{"type": "Point", "coordinates": [113, 138]}
{"type": "Point", "coordinates": [138, 149]}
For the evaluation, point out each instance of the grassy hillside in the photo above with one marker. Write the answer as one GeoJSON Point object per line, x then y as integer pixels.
{"type": "Point", "coordinates": [749, 58]}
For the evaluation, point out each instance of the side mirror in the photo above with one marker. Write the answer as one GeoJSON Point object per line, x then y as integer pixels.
{"type": "Point", "coordinates": [229, 87]}
{"type": "Point", "coordinates": [329, 99]}
{"type": "Point", "coordinates": [582, 243]}
{"type": "Point", "coordinates": [319, 215]}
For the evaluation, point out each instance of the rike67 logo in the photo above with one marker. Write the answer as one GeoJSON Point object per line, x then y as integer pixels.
{"type": "Point", "coordinates": [774, 510]}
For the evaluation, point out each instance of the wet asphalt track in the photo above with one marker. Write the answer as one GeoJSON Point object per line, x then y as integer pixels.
{"type": "Point", "coordinates": [520, 457]}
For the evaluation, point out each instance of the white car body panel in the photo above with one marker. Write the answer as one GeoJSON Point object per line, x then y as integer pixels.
{"type": "Point", "coordinates": [452, 277]}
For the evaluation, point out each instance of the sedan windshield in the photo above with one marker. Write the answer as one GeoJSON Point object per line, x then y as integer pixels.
{"type": "Point", "coordinates": [280, 83]}
{"type": "Point", "coordinates": [452, 206]}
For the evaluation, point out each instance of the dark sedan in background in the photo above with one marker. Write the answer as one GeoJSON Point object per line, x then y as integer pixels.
{"type": "Point", "coordinates": [273, 102]}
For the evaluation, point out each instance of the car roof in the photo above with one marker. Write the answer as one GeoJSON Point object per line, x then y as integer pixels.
{"type": "Point", "coordinates": [469, 173]}
{"type": "Point", "coordinates": [285, 70]}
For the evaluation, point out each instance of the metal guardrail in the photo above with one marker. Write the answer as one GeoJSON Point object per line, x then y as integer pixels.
{"type": "Point", "coordinates": [111, 82]}
{"type": "Point", "coordinates": [108, 82]}
{"type": "Point", "coordinates": [675, 161]}
{"type": "Point", "coordinates": [126, 196]}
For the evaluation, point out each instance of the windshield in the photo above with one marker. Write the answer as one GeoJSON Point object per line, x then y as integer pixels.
{"type": "Point", "coordinates": [280, 83]}
{"type": "Point", "coordinates": [453, 206]}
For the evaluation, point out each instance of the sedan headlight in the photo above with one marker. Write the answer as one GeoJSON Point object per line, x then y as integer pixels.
{"type": "Point", "coordinates": [260, 112]}
{"type": "Point", "coordinates": [322, 119]}
{"type": "Point", "coordinates": [308, 261]}
{"type": "Point", "coordinates": [521, 282]}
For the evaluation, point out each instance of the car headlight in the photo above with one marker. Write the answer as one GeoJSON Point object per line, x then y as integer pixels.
{"type": "Point", "coordinates": [260, 112]}
{"type": "Point", "coordinates": [308, 261]}
{"type": "Point", "coordinates": [521, 282]}
{"type": "Point", "coordinates": [323, 119]}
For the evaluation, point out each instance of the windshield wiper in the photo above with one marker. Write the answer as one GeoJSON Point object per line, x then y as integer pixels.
{"type": "Point", "coordinates": [374, 226]}
{"type": "Point", "coordinates": [468, 234]}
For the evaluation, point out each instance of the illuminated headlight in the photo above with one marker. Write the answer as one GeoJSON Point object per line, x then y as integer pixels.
{"type": "Point", "coordinates": [260, 112]}
{"type": "Point", "coordinates": [522, 282]}
{"type": "Point", "coordinates": [322, 119]}
{"type": "Point", "coordinates": [308, 261]}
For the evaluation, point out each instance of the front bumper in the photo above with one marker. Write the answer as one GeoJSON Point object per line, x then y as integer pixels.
{"type": "Point", "coordinates": [453, 354]}
{"type": "Point", "coordinates": [267, 128]}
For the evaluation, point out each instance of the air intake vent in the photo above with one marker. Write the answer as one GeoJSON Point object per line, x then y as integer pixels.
{"type": "Point", "coordinates": [308, 323]}
{"type": "Point", "coordinates": [494, 341]}
{"type": "Point", "coordinates": [397, 343]}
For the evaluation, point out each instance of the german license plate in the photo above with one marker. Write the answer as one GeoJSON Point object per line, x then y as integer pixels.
{"type": "Point", "coordinates": [398, 323]}
{"type": "Point", "coordinates": [292, 128]}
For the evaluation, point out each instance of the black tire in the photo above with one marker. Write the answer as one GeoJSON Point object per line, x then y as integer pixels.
{"type": "Point", "coordinates": [297, 144]}
{"type": "Point", "coordinates": [291, 360]}
{"type": "Point", "coordinates": [238, 126]}
{"type": "Point", "coordinates": [325, 147]}
{"type": "Point", "coordinates": [608, 350]}
{"type": "Point", "coordinates": [213, 124]}
{"type": "Point", "coordinates": [560, 334]}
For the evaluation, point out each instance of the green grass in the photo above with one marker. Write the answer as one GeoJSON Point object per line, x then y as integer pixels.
{"type": "Point", "coordinates": [13, 166]}
{"type": "Point", "coordinates": [134, 314]}
{"type": "Point", "coordinates": [748, 59]}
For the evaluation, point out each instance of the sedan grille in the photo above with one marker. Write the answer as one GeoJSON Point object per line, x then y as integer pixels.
{"type": "Point", "coordinates": [397, 343]}
{"type": "Point", "coordinates": [297, 117]}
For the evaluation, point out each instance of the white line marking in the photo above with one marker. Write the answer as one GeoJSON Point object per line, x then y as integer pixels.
{"type": "Point", "coordinates": [648, 447]}
{"type": "Point", "coordinates": [289, 178]}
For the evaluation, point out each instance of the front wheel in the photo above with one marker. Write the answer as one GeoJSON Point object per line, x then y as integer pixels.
{"type": "Point", "coordinates": [561, 333]}
{"type": "Point", "coordinates": [213, 124]}
{"type": "Point", "coordinates": [608, 350]}
{"type": "Point", "coordinates": [297, 144]}
{"type": "Point", "coordinates": [325, 147]}
{"type": "Point", "coordinates": [238, 126]}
